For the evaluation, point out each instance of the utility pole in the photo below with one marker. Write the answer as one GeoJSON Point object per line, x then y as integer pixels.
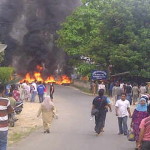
{"type": "Point", "coordinates": [2, 47]}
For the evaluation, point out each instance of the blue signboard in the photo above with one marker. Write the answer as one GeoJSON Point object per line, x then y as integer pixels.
{"type": "Point", "coordinates": [99, 75]}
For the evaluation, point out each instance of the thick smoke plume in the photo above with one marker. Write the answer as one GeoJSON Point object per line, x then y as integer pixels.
{"type": "Point", "coordinates": [29, 27]}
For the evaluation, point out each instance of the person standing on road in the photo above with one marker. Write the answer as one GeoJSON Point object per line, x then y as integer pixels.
{"type": "Point", "coordinates": [135, 93]}
{"type": "Point", "coordinates": [93, 87]}
{"type": "Point", "coordinates": [16, 94]}
{"type": "Point", "coordinates": [51, 90]}
{"type": "Point", "coordinates": [128, 91]}
{"type": "Point", "coordinates": [144, 137]}
{"type": "Point", "coordinates": [5, 109]}
{"type": "Point", "coordinates": [27, 97]}
{"type": "Point", "coordinates": [33, 89]}
{"type": "Point", "coordinates": [139, 113]}
{"type": "Point", "coordinates": [148, 88]}
{"type": "Point", "coordinates": [23, 91]}
{"type": "Point", "coordinates": [40, 90]}
{"type": "Point", "coordinates": [101, 103]}
{"type": "Point", "coordinates": [102, 86]}
{"type": "Point", "coordinates": [143, 90]}
{"type": "Point", "coordinates": [47, 110]}
{"type": "Point", "coordinates": [122, 112]}
{"type": "Point", "coordinates": [116, 91]}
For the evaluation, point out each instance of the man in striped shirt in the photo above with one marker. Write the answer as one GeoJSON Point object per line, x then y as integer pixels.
{"type": "Point", "coordinates": [5, 109]}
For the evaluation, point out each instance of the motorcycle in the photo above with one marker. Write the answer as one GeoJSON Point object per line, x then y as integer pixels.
{"type": "Point", "coordinates": [17, 110]}
{"type": "Point", "coordinates": [19, 106]}
{"type": "Point", "coordinates": [11, 119]}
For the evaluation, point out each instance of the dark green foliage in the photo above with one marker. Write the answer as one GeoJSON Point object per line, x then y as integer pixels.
{"type": "Point", "coordinates": [5, 74]}
{"type": "Point", "coordinates": [110, 32]}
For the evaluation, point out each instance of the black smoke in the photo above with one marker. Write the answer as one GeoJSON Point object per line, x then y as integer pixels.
{"type": "Point", "coordinates": [29, 28]}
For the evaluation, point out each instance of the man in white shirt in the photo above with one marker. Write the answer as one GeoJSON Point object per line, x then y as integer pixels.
{"type": "Point", "coordinates": [122, 112]}
{"type": "Point", "coordinates": [33, 91]}
{"type": "Point", "coordinates": [101, 86]}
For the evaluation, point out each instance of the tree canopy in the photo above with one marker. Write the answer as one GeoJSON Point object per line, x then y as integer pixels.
{"type": "Point", "coordinates": [110, 32]}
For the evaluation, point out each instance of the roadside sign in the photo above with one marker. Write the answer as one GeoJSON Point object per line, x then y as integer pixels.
{"type": "Point", "coordinates": [99, 75]}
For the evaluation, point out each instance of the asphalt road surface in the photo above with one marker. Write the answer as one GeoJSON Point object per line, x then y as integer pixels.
{"type": "Point", "coordinates": [74, 130]}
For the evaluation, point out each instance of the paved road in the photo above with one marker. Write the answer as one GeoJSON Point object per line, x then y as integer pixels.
{"type": "Point", "coordinates": [74, 129]}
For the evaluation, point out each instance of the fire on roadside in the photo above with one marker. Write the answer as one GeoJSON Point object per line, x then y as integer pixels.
{"type": "Point", "coordinates": [64, 79]}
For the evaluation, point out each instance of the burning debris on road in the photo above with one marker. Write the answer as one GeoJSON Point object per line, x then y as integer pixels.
{"type": "Point", "coordinates": [37, 76]}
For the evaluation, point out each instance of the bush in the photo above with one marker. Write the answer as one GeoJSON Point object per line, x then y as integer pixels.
{"type": "Point", "coordinates": [6, 74]}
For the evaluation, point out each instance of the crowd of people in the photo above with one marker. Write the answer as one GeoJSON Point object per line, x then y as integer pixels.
{"type": "Point", "coordinates": [115, 89]}
{"type": "Point", "coordinates": [123, 95]}
{"type": "Point", "coordinates": [133, 92]}
{"type": "Point", "coordinates": [28, 91]}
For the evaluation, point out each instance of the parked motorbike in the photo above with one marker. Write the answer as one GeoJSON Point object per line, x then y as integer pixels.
{"type": "Point", "coordinates": [11, 119]}
{"type": "Point", "coordinates": [19, 106]}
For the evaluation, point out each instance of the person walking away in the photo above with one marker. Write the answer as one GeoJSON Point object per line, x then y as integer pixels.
{"type": "Point", "coordinates": [128, 92]}
{"type": "Point", "coordinates": [135, 93]}
{"type": "Point", "coordinates": [143, 90]}
{"type": "Point", "coordinates": [100, 103]}
{"type": "Point", "coordinates": [144, 137]}
{"type": "Point", "coordinates": [117, 92]}
{"type": "Point", "coordinates": [5, 109]}
{"type": "Point", "coordinates": [47, 110]}
{"type": "Point", "coordinates": [33, 91]}
{"type": "Point", "coordinates": [40, 90]}
{"type": "Point", "coordinates": [51, 90]}
{"type": "Point", "coordinates": [122, 112]}
{"type": "Point", "coordinates": [139, 113]}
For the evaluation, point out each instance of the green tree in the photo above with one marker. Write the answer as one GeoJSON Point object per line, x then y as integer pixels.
{"type": "Point", "coordinates": [115, 32]}
{"type": "Point", "coordinates": [5, 74]}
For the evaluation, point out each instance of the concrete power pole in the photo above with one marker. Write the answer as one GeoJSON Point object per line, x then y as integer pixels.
{"type": "Point", "coordinates": [2, 47]}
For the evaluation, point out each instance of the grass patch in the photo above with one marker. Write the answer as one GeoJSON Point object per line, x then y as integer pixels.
{"type": "Point", "coordinates": [17, 136]}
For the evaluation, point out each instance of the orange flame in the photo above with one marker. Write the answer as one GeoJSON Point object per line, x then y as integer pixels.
{"type": "Point", "coordinates": [38, 77]}
{"type": "Point", "coordinates": [50, 79]}
{"type": "Point", "coordinates": [65, 79]}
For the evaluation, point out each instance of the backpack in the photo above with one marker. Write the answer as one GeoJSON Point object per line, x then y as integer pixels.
{"type": "Point", "coordinates": [100, 102]}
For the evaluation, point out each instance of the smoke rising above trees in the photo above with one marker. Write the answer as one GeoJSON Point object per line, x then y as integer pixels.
{"type": "Point", "coordinates": [29, 27]}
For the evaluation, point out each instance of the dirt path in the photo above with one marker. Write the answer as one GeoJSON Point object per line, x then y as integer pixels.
{"type": "Point", "coordinates": [27, 122]}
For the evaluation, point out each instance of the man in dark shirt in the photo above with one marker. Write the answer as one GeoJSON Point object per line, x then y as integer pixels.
{"type": "Point", "coordinates": [128, 91]}
{"type": "Point", "coordinates": [51, 90]}
{"type": "Point", "coordinates": [101, 104]}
